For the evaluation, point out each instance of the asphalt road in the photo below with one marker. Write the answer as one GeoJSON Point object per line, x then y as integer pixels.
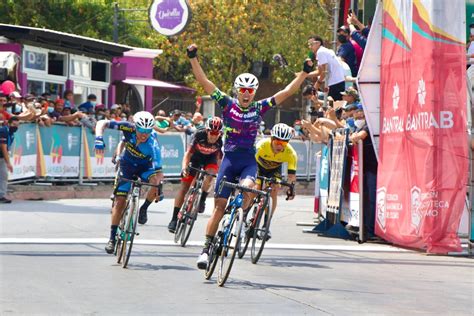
{"type": "Point", "coordinates": [52, 262]}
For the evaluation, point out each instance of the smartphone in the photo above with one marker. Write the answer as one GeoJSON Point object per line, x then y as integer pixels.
{"type": "Point", "coordinates": [350, 12]}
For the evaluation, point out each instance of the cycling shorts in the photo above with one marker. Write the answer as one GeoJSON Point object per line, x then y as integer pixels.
{"type": "Point", "coordinates": [235, 166]}
{"type": "Point", "coordinates": [208, 162]}
{"type": "Point", "coordinates": [127, 171]}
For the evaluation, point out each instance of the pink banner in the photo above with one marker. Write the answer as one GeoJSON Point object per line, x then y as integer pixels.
{"type": "Point", "coordinates": [423, 164]}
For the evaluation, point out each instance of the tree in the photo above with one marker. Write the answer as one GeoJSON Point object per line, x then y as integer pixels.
{"type": "Point", "coordinates": [231, 35]}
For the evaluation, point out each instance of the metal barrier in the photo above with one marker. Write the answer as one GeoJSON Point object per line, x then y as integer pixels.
{"type": "Point", "coordinates": [66, 153]}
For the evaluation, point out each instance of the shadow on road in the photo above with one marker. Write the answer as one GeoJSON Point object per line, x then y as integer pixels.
{"type": "Point", "coordinates": [153, 267]}
{"type": "Point", "coordinates": [247, 285]}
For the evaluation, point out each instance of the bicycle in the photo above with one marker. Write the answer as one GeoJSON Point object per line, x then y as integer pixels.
{"type": "Point", "coordinates": [224, 247]}
{"type": "Point", "coordinates": [127, 229]}
{"type": "Point", "coordinates": [189, 210]}
{"type": "Point", "coordinates": [257, 230]}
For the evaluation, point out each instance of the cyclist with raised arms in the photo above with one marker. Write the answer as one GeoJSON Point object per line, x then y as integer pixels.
{"type": "Point", "coordinates": [242, 117]}
{"type": "Point", "coordinates": [141, 157]}
{"type": "Point", "coordinates": [271, 153]}
{"type": "Point", "coordinates": [205, 151]}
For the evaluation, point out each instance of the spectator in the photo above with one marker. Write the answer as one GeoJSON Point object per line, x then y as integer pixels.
{"type": "Point", "coordinates": [3, 111]}
{"type": "Point", "coordinates": [6, 139]}
{"type": "Point", "coordinates": [178, 122]}
{"type": "Point", "coordinates": [68, 99]}
{"type": "Point", "coordinates": [330, 71]}
{"type": "Point", "coordinates": [197, 121]}
{"type": "Point", "coordinates": [126, 109]}
{"type": "Point", "coordinates": [351, 96]}
{"type": "Point", "coordinates": [188, 116]}
{"type": "Point", "coordinates": [346, 50]}
{"type": "Point", "coordinates": [15, 106]}
{"type": "Point", "coordinates": [57, 114]}
{"type": "Point", "coordinates": [89, 105]}
{"type": "Point", "coordinates": [349, 80]}
{"type": "Point", "coordinates": [359, 37]}
{"type": "Point", "coordinates": [362, 133]}
{"type": "Point", "coordinates": [162, 123]}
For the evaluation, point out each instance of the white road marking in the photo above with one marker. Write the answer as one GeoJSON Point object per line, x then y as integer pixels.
{"type": "Point", "coordinates": [155, 242]}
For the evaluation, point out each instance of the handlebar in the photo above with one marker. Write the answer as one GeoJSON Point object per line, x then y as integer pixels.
{"type": "Point", "coordinates": [140, 183]}
{"type": "Point", "coordinates": [291, 186]}
{"type": "Point", "coordinates": [201, 171]}
{"type": "Point", "coordinates": [240, 188]}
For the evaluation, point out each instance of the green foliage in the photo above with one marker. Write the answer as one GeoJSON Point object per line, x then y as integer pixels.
{"type": "Point", "coordinates": [231, 35]}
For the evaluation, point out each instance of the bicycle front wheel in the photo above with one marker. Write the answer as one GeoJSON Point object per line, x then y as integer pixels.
{"type": "Point", "coordinates": [260, 231]}
{"type": "Point", "coordinates": [130, 231]}
{"type": "Point", "coordinates": [181, 226]}
{"type": "Point", "coordinates": [119, 236]}
{"type": "Point", "coordinates": [230, 246]}
{"type": "Point", "coordinates": [191, 217]}
{"type": "Point", "coordinates": [213, 258]}
{"type": "Point", "coordinates": [245, 240]}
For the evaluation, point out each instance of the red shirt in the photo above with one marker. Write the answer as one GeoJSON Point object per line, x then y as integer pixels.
{"type": "Point", "coordinates": [5, 114]}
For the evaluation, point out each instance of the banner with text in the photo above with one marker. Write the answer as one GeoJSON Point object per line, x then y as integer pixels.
{"type": "Point", "coordinates": [172, 153]}
{"type": "Point", "coordinates": [23, 152]}
{"type": "Point", "coordinates": [100, 166]}
{"type": "Point", "coordinates": [423, 165]}
{"type": "Point", "coordinates": [59, 151]}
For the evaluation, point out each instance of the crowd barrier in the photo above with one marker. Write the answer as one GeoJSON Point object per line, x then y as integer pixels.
{"type": "Point", "coordinates": [66, 153]}
{"type": "Point", "coordinates": [339, 192]}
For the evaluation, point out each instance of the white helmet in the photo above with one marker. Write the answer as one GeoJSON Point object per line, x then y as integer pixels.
{"type": "Point", "coordinates": [144, 119]}
{"type": "Point", "coordinates": [246, 80]}
{"type": "Point", "coordinates": [282, 131]}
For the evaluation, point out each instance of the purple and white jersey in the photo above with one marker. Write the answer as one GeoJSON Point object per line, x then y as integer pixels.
{"type": "Point", "coordinates": [241, 125]}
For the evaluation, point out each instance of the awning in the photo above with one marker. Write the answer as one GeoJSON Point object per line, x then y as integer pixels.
{"type": "Point", "coordinates": [158, 84]}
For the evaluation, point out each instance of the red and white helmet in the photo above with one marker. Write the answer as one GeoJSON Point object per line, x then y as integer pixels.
{"type": "Point", "coordinates": [214, 124]}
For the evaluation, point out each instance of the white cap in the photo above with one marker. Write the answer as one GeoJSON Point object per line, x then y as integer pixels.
{"type": "Point", "coordinates": [115, 106]}
{"type": "Point", "coordinates": [15, 94]}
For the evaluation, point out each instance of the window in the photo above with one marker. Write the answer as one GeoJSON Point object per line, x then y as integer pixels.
{"type": "Point", "coordinates": [81, 92]}
{"type": "Point", "coordinates": [35, 60]}
{"type": "Point", "coordinates": [80, 68]}
{"type": "Point", "coordinates": [99, 71]}
{"type": "Point", "coordinates": [57, 64]}
{"type": "Point", "coordinates": [35, 87]}
{"type": "Point", "coordinates": [55, 89]}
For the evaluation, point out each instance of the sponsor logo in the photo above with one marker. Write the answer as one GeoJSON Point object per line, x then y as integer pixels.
{"type": "Point", "coordinates": [17, 155]}
{"type": "Point", "coordinates": [415, 208]}
{"type": "Point", "coordinates": [56, 154]}
{"type": "Point", "coordinates": [30, 139]}
{"type": "Point", "coordinates": [421, 92]}
{"type": "Point", "coordinates": [243, 115]}
{"type": "Point", "coordinates": [381, 207]}
{"type": "Point", "coordinates": [72, 141]}
{"type": "Point", "coordinates": [395, 97]}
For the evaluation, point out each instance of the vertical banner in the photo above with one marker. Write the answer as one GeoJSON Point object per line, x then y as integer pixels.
{"type": "Point", "coordinates": [301, 149]}
{"type": "Point", "coordinates": [172, 152]}
{"type": "Point", "coordinates": [59, 150]}
{"type": "Point", "coordinates": [350, 214]}
{"type": "Point", "coordinates": [324, 180]}
{"type": "Point", "coordinates": [100, 166]}
{"type": "Point", "coordinates": [23, 152]}
{"type": "Point", "coordinates": [423, 162]}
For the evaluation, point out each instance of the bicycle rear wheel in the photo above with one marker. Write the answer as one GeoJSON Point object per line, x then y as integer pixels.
{"type": "Point", "coordinates": [230, 246]}
{"type": "Point", "coordinates": [191, 218]}
{"type": "Point", "coordinates": [130, 230]}
{"type": "Point", "coordinates": [260, 231]}
{"type": "Point", "coordinates": [213, 258]}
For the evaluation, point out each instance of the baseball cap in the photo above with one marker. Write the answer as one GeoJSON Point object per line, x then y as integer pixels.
{"type": "Point", "coordinates": [174, 112]}
{"type": "Point", "coordinates": [15, 94]}
{"type": "Point", "coordinates": [115, 106]}
{"type": "Point", "coordinates": [351, 92]}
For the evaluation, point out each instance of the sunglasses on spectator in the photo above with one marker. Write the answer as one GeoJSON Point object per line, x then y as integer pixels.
{"type": "Point", "coordinates": [280, 142]}
{"type": "Point", "coordinates": [249, 90]}
{"type": "Point", "coordinates": [312, 43]}
{"type": "Point", "coordinates": [144, 130]}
